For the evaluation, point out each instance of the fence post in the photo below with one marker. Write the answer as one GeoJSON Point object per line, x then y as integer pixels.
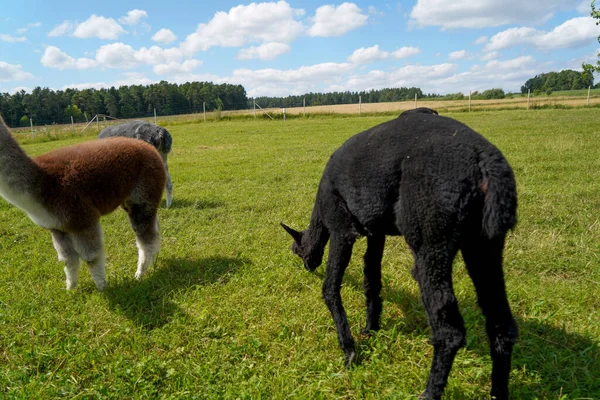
{"type": "Point", "coordinates": [72, 124]}
{"type": "Point", "coordinates": [154, 115]}
{"type": "Point", "coordinates": [204, 110]}
{"type": "Point", "coordinates": [359, 105]}
{"type": "Point", "coordinates": [304, 106]}
{"type": "Point", "coordinates": [415, 100]}
{"type": "Point", "coordinates": [588, 98]}
{"type": "Point", "coordinates": [528, 94]}
{"type": "Point", "coordinates": [469, 101]}
{"type": "Point", "coordinates": [31, 124]}
{"type": "Point", "coordinates": [254, 103]}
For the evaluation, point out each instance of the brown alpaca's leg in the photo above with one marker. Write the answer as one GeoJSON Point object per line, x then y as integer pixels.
{"type": "Point", "coordinates": [66, 253]}
{"type": "Point", "coordinates": [89, 244]}
{"type": "Point", "coordinates": [144, 222]}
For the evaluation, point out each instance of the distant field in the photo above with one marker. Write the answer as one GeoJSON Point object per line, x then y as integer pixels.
{"type": "Point", "coordinates": [561, 99]}
{"type": "Point", "coordinates": [229, 312]}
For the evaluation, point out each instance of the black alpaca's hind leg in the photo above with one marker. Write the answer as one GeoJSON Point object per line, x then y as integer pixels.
{"type": "Point", "coordinates": [340, 251]}
{"type": "Point", "coordinates": [372, 282]}
{"type": "Point", "coordinates": [433, 272]}
{"type": "Point", "coordinates": [483, 259]}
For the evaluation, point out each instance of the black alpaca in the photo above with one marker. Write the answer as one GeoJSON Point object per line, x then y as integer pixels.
{"type": "Point", "coordinates": [420, 110]}
{"type": "Point", "coordinates": [156, 135]}
{"type": "Point", "coordinates": [444, 188]}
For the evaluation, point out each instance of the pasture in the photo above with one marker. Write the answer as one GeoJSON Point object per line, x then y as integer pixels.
{"type": "Point", "coordinates": [228, 311]}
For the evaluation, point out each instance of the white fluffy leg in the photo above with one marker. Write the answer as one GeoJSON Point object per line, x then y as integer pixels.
{"type": "Point", "coordinates": [67, 254]}
{"type": "Point", "coordinates": [147, 253]}
{"type": "Point", "coordinates": [89, 244]}
{"type": "Point", "coordinates": [72, 273]}
{"type": "Point", "coordinates": [98, 271]}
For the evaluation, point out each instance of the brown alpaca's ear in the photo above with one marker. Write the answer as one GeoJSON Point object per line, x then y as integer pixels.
{"type": "Point", "coordinates": [294, 233]}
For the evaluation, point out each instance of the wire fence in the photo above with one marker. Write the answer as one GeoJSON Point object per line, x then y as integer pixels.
{"type": "Point", "coordinates": [294, 109]}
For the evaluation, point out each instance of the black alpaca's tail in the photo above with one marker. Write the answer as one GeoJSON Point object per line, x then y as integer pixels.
{"type": "Point", "coordinates": [500, 201]}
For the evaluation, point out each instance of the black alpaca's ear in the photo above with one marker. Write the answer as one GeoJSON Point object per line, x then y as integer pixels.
{"type": "Point", "coordinates": [294, 233]}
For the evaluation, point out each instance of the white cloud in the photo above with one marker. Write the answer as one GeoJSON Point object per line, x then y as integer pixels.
{"type": "Point", "coordinates": [271, 82]}
{"type": "Point", "coordinates": [130, 78]}
{"type": "Point", "coordinates": [164, 36]}
{"type": "Point", "coordinates": [335, 21]}
{"type": "Point", "coordinates": [371, 54]}
{"type": "Point", "coordinates": [317, 72]}
{"type": "Point", "coordinates": [482, 40]}
{"type": "Point", "coordinates": [513, 64]}
{"type": "Point", "coordinates": [133, 17]}
{"type": "Point", "coordinates": [484, 13]}
{"type": "Point", "coordinates": [267, 51]}
{"type": "Point", "coordinates": [13, 72]}
{"type": "Point", "coordinates": [405, 52]}
{"type": "Point", "coordinates": [174, 68]}
{"type": "Point", "coordinates": [573, 33]}
{"type": "Point", "coordinates": [117, 55]}
{"type": "Point", "coordinates": [29, 26]}
{"type": "Point", "coordinates": [446, 78]}
{"type": "Point", "coordinates": [254, 23]}
{"type": "Point", "coordinates": [62, 29]}
{"type": "Point", "coordinates": [368, 55]}
{"type": "Point", "coordinates": [99, 27]}
{"type": "Point", "coordinates": [489, 56]}
{"type": "Point", "coordinates": [12, 39]}
{"type": "Point", "coordinates": [457, 55]}
{"type": "Point", "coordinates": [55, 58]}
{"type": "Point", "coordinates": [410, 75]}
{"type": "Point", "coordinates": [121, 55]}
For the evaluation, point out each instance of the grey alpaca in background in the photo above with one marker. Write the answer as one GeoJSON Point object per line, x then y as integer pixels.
{"type": "Point", "coordinates": [443, 187]}
{"type": "Point", "coordinates": [156, 135]}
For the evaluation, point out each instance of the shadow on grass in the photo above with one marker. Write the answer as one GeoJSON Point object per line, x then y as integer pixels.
{"type": "Point", "coordinates": [549, 360]}
{"type": "Point", "coordinates": [195, 204]}
{"type": "Point", "coordinates": [148, 302]}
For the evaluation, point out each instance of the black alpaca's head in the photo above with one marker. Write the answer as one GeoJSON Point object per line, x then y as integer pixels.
{"type": "Point", "coordinates": [301, 248]}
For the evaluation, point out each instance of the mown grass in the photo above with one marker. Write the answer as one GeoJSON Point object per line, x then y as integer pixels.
{"type": "Point", "coordinates": [228, 311]}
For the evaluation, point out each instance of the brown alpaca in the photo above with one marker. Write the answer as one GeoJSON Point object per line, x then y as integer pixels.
{"type": "Point", "coordinates": [67, 191]}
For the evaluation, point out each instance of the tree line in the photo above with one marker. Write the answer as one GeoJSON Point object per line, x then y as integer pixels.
{"type": "Point", "coordinates": [554, 81]}
{"type": "Point", "coordinates": [46, 106]}
{"type": "Point", "coordinates": [333, 98]}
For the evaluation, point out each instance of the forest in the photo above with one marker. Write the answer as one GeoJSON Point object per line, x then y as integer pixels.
{"type": "Point", "coordinates": [46, 106]}
{"type": "Point", "coordinates": [553, 81]}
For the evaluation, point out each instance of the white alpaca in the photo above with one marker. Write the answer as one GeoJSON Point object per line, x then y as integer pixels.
{"type": "Point", "coordinates": [67, 191]}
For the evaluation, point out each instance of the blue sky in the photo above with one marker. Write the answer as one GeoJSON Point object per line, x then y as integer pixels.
{"type": "Point", "coordinates": [293, 47]}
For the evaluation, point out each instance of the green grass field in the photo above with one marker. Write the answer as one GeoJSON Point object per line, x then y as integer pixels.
{"type": "Point", "coordinates": [229, 312]}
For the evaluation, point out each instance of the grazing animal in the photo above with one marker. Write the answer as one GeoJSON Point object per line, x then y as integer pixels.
{"type": "Point", "coordinates": [444, 188]}
{"type": "Point", "coordinates": [156, 135]}
{"type": "Point", "coordinates": [420, 110]}
{"type": "Point", "coordinates": [67, 191]}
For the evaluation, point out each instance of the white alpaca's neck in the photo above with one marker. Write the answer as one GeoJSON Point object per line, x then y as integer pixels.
{"type": "Point", "coordinates": [19, 177]}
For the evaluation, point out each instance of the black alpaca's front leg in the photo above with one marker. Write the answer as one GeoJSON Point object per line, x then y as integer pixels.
{"type": "Point", "coordinates": [372, 282]}
{"type": "Point", "coordinates": [340, 251]}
